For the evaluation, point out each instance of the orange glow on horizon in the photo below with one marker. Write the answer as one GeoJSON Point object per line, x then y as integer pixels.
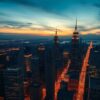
{"type": "Point", "coordinates": [91, 31]}
{"type": "Point", "coordinates": [43, 32]}
{"type": "Point", "coordinates": [34, 32]}
{"type": "Point", "coordinates": [24, 31]}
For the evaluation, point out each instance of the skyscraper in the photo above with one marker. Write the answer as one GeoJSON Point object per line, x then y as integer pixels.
{"type": "Point", "coordinates": [75, 50]}
{"type": "Point", "coordinates": [75, 66]}
{"type": "Point", "coordinates": [50, 74]}
{"type": "Point", "coordinates": [36, 86]}
{"type": "Point", "coordinates": [57, 54]}
{"type": "Point", "coordinates": [13, 84]}
{"type": "Point", "coordinates": [14, 76]}
{"type": "Point", "coordinates": [76, 62]}
{"type": "Point", "coordinates": [27, 58]}
{"type": "Point", "coordinates": [41, 55]}
{"type": "Point", "coordinates": [3, 63]}
{"type": "Point", "coordinates": [75, 53]}
{"type": "Point", "coordinates": [56, 40]}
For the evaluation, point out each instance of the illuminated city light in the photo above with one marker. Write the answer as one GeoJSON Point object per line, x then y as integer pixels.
{"type": "Point", "coordinates": [60, 78]}
{"type": "Point", "coordinates": [82, 78]}
{"type": "Point", "coordinates": [43, 93]}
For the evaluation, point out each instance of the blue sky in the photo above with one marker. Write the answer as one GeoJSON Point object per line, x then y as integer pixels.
{"type": "Point", "coordinates": [44, 16]}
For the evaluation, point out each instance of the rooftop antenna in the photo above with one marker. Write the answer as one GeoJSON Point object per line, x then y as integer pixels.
{"type": "Point", "coordinates": [76, 25]}
{"type": "Point", "coordinates": [56, 32]}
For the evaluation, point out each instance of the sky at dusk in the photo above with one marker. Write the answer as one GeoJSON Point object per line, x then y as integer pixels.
{"type": "Point", "coordinates": [42, 17]}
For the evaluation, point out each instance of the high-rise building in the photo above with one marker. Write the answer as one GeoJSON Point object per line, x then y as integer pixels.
{"type": "Point", "coordinates": [13, 82]}
{"type": "Point", "coordinates": [92, 84]}
{"type": "Point", "coordinates": [50, 74]}
{"type": "Point", "coordinates": [3, 63]}
{"type": "Point", "coordinates": [36, 86]}
{"type": "Point", "coordinates": [14, 76]}
{"type": "Point", "coordinates": [57, 55]}
{"type": "Point", "coordinates": [41, 55]}
{"type": "Point", "coordinates": [27, 60]}
{"type": "Point", "coordinates": [76, 55]}
{"type": "Point", "coordinates": [56, 40]}
{"type": "Point", "coordinates": [28, 69]}
{"type": "Point", "coordinates": [76, 62]}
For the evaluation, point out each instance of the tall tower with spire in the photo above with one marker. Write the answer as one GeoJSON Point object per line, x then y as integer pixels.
{"type": "Point", "coordinates": [75, 66]}
{"type": "Point", "coordinates": [75, 36]}
{"type": "Point", "coordinates": [76, 25]}
{"type": "Point", "coordinates": [56, 40]}
{"type": "Point", "coordinates": [75, 49]}
{"type": "Point", "coordinates": [76, 62]}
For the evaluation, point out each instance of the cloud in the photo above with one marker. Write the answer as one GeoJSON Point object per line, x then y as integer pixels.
{"type": "Point", "coordinates": [83, 2]}
{"type": "Point", "coordinates": [52, 6]}
{"type": "Point", "coordinates": [96, 5]}
{"type": "Point", "coordinates": [85, 29]}
{"type": "Point", "coordinates": [19, 25]}
{"type": "Point", "coordinates": [43, 27]}
{"type": "Point", "coordinates": [98, 32]}
{"type": "Point", "coordinates": [98, 16]}
{"type": "Point", "coordinates": [3, 14]}
{"type": "Point", "coordinates": [48, 14]}
{"type": "Point", "coordinates": [14, 24]}
{"type": "Point", "coordinates": [90, 29]}
{"type": "Point", "coordinates": [24, 2]}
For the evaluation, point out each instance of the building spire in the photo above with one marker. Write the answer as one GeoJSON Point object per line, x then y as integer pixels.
{"type": "Point", "coordinates": [56, 32]}
{"type": "Point", "coordinates": [76, 25]}
{"type": "Point", "coordinates": [56, 40]}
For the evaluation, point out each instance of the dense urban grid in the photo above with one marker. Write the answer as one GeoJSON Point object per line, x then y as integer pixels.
{"type": "Point", "coordinates": [50, 70]}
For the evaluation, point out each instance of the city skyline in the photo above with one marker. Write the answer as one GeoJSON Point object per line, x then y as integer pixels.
{"type": "Point", "coordinates": [44, 16]}
{"type": "Point", "coordinates": [45, 67]}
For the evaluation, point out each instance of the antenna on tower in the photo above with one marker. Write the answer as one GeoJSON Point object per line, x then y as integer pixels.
{"type": "Point", "coordinates": [56, 32]}
{"type": "Point", "coordinates": [76, 25]}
